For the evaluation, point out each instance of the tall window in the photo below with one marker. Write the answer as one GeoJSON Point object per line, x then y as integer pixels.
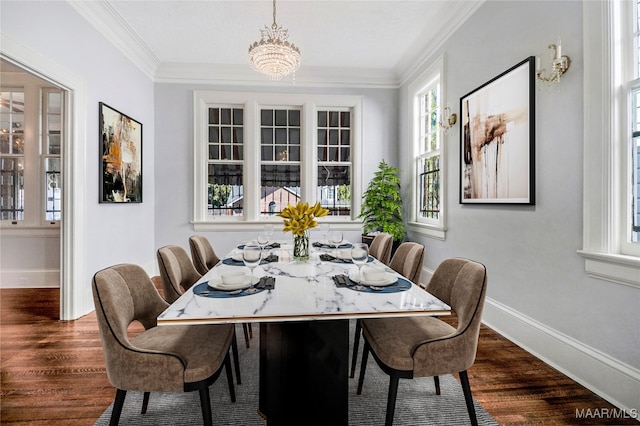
{"type": "Point", "coordinates": [12, 155]}
{"type": "Point", "coordinates": [425, 105]}
{"type": "Point", "coordinates": [225, 142]}
{"type": "Point", "coordinates": [280, 160]}
{"type": "Point", "coordinates": [633, 83]}
{"type": "Point", "coordinates": [30, 162]}
{"type": "Point", "coordinates": [334, 161]}
{"type": "Point", "coordinates": [259, 152]}
{"type": "Point", "coordinates": [428, 161]}
{"type": "Point", "coordinates": [610, 245]}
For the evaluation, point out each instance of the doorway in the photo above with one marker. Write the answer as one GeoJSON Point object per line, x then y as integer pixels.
{"type": "Point", "coordinates": [33, 133]}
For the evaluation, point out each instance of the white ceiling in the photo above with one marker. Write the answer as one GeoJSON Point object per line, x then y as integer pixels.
{"type": "Point", "coordinates": [376, 40]}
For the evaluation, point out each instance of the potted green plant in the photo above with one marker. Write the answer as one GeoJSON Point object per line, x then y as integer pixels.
{"type": "Point", "coordinates": [382, 204]}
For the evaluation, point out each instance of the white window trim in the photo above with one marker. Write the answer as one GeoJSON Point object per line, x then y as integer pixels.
{"type": "Point", "coordinates": [603, 179]}
{"type": "Point", "coordinates": [428, 229]}
{"type": "Point", "coordinates": [252, 102]}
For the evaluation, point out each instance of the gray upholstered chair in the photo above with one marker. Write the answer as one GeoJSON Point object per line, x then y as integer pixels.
{"type": "Point", "coordinates": [204, 258]}
{"type": "Point", "coordinates": [159, 359]}
{"type": "Point", "coordinates": [178, 274]}
{"type": "Point", "coordinates": [407, 261]}
{"type": "Point", "coordinates": [410, 347]}
{"type": "Point", "coordinates": [202, 253]}
{"type": "Point", "coordinates": [381, 247]}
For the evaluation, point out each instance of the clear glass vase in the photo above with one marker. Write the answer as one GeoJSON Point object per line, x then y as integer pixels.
{"type": "Point", "coordinates": [301, 246]}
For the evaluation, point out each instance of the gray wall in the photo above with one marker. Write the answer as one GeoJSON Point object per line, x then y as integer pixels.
{"type": "Point", "coordinates": [535, 275]}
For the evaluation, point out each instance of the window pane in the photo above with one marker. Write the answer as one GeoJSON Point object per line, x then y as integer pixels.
{"type": "Point", "coordinates": [53, 189]}
{"type": "Point", "coordinates": [279, 187]}
{"type": "Point", "coordinates": [429, 196]}
{"type": "Point", "coordinates": [334, 189]}
{"type": "Point", "coordinates": [225, 134]}
{"type": "Point", "coordinates": [225, 190]}
{"type": "Point", "coordinates": [635, 167]}
{"type": "Point", "coordinates": [11, 189]}
{"type": "Point", "coordinates": [284, 134]}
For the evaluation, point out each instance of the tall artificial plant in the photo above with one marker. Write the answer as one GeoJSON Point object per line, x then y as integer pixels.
{"type": "Point", "coordinates": [382, 203]}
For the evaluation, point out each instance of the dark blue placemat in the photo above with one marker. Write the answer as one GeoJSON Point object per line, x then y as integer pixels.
{"type": "Point", "coordinates": [318, 244]}
{"type": "Point", "coordinates": [203, 289]}
{"type": "Point", "coordinates": [329, 258]}
{"type": "Point", "coordinates": [231, 261]}
{"type": "Point", "coordinates": [400, 285]}
{"type": "Point", "coordinates": [267, 247]}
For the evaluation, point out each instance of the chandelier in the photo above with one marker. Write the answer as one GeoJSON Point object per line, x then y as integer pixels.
{"type": "Point", "coordinates": [273, 55]}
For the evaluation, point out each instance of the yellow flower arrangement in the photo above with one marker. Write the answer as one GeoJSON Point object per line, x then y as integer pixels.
{"type": "Point", "coordinates": [301, 217]}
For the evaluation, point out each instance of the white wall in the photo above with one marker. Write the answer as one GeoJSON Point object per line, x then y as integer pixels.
{"type": "Point", "coordinates": [55, 32]}
{"type": "Point", "coordinates": [538, 294]}
{"type": "Point", "coordinates": [174, 155]}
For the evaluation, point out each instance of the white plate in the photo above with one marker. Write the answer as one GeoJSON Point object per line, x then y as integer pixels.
{"type": "Point", "coordinates": [388, 279]}
{"type": "Point", "coordinates": [217, 284]}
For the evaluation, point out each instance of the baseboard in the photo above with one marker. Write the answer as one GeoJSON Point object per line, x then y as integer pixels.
{"type": "Point", "coordinates": [605, 376]}
{"type": "Point", "coordinates": [42, 278]}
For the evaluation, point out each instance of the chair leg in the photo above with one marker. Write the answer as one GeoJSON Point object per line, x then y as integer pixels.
{"type": "Point", "coordinates": [246, 334]}
{"type": "Point", "coordinates": [363, 366]}
{"type": "Point", "coordinates": [145, 402]}
{"type": "Point", "coordinates": [466, 389]}
{"type": "Point", "coordinates": [356, 344]}
{"type": "Point", "coordinates": [117, 407]}
{"type": "Point", "coordinates": [250, 331]}
{"type": "Point", "coordinates": [236, 360]}
{"type": "Point", "coordinates": [227, 367]}
{"type": "Point", "coordinates": [436, 381]}
{"type": "Point", "coordinates": [391, 400]}
{"type": "Point", "coordinates": [205, 404]}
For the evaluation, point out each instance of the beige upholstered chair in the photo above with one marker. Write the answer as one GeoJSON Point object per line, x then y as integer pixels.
{"type": "Point", "coordinates": [178, 274]}
{"type": "Point", "coordinates": [205, 258]}
{"type": "Point", "coordinates": [427, 346]}
{"type": "Point", "coordinates": [202, 254]}
{"type": "Point", "coordinates": [407, 261]}
{"type": "Point", "coordinates": [159, 359]}
{"type": "Point", "coordinates": [177, 271]}
{"type": "Point", "coordinates": [381, 247]}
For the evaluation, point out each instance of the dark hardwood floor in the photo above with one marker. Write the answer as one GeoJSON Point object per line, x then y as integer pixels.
{"type": "Point", "coordinates": [52, 372]}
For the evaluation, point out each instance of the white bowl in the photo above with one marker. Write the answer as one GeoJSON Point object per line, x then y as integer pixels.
{"type": "Point", "coordinates": [237, 256]}
{"type": "Point", "coordinates": [232, 276]}
{"type": "Point", "coordinates": [344, 254]}
{"type": "Point", "coordinates": [373, 274]}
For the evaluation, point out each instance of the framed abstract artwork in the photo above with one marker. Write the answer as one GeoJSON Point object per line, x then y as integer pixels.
{"type": "Point", "coordinates": [497, 139]}
{"type": "Point", "coordinates": [120, 157]}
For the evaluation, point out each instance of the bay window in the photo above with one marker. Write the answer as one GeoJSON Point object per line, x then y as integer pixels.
{"type": "Point", "coordinates": [256, 153]}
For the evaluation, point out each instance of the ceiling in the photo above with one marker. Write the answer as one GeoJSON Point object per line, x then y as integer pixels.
{"type": "Point", "coordinates": [373, 41]}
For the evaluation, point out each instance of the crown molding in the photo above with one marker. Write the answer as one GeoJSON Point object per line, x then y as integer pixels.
{"type": "Point", "coordinates": [243, 75]}
{"type": "Point", "coordinates": [458, 14]}
{"type": "Point", "coordinates": [101, 15]}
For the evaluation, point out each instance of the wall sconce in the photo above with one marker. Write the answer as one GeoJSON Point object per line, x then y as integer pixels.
{"type": "Point", "coordinates": [559, 64]}
{"type": "Point", "coordinates": [448, 120]}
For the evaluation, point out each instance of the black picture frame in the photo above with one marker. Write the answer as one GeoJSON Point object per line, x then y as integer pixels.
{"type": "Point", "coordinates": [120, 157]}
{"type": "Point", "coordinates": [497, 139]}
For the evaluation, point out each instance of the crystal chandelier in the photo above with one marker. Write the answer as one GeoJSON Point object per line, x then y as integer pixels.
{"type": "Point", "coordinates": [273, 55]}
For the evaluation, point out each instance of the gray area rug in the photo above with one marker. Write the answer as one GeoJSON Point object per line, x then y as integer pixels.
{"type": "Point", "coordinates": [417, 403]}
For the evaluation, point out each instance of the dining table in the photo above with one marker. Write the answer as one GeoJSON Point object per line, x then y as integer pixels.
{"type": "Point", "coordinates": [303, 308]}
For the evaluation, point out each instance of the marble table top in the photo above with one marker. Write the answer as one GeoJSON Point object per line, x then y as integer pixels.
{"type": "Point", "coordinates": [303, 291]}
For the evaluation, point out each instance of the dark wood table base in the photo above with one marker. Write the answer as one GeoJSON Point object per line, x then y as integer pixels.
{"type": "Point", "coordinates": [304, 369]}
